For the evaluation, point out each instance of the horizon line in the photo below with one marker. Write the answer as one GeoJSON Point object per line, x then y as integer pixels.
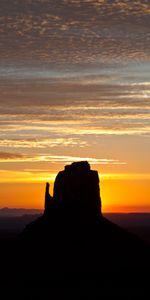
{"type": "Point", "coordinates": [103, 212]}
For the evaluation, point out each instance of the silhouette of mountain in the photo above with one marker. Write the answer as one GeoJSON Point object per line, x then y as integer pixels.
{"type": "Point", "coordinates": [72, 241]}
{"type": "Point", "coordinates": [16, 212]}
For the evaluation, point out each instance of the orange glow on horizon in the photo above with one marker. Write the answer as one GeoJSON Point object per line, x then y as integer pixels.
{"type": "Point", "coordinates": [119, 192]}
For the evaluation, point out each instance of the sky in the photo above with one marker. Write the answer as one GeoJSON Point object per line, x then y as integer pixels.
{"type": "Point", "coordinates": [75, 85]}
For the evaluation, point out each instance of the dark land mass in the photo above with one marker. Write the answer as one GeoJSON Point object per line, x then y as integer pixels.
{"type": "Point", "coordinates": [11, 226]}
{"type": "Point", "coordinates": [137, 223]}
{"type": "Point", "coordinates": [73, 247]}
{"type": "Point", "coordinates": [18, 212]}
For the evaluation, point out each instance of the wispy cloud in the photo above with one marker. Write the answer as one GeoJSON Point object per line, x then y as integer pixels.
{"type": "Point", "coordinates": [41, 143]}
{"type": "Point", "coordinates": [12, 157]}
{"type": "Point", "coordinates": [74, 31]}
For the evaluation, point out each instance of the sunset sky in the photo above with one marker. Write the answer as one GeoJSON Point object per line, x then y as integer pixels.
{"type": "Point", "coordinates": [75, 85]}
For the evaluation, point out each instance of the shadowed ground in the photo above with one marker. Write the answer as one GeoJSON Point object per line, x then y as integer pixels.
{"type": "Point", "coordinates": [72, 244]}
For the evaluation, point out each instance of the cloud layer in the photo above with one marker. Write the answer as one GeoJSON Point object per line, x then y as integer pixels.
{"type": "Point", "coordinates": [75, 31]}
{"type": "Point", "coordinates": [11, 157]}
{"type": "Point", "coordinates": [74, 81]}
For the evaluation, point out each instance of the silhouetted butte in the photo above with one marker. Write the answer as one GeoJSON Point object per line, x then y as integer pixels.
{"type": "Point", "coordinates": [73, 237]}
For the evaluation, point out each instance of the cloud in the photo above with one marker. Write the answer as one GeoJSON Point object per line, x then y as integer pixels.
{"type": "Point", "coordinates": [41, 143]}
{"type": "Point", "coordinates": [11, 157]}
{"type": "Point", "coordinates": [46, 126]}
{"type": "Point", "coordinates": [73, 74]}
{"type": "Point", "coordinates": [76, 125]}
{"type": "Point", "coordinates": [75, 31]}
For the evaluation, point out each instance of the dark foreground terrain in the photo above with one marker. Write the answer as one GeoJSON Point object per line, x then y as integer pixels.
{"type": "Point", "coordinates": [73, 249]}
{"type": "Point", "coordinates": [97, 259]}
{"type": "Point", "coordinates": [137, 223]}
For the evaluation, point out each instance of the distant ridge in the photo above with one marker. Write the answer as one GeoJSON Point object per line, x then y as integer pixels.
{"type": "Point", "coordinates": [16, 212]}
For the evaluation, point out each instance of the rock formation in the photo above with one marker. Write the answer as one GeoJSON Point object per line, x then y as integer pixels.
{"type": "Point", "coordinates": [72, 239]}
{"type": "Point", "coordinates": [77, 188]}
